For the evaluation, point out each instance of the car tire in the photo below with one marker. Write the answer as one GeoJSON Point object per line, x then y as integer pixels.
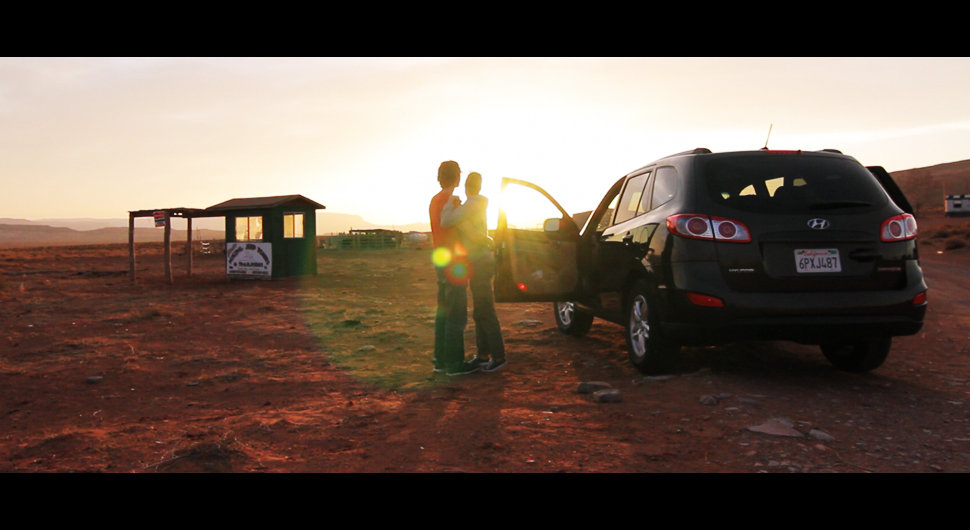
{"type": "Point", "coordinates": [650, 352]}
{"type": "Point", "coordinates": [572, 320]}
{"type": "Point", "coordinates": [860, 356]}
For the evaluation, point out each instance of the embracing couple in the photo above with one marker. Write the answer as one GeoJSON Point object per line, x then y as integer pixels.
{"type": "Point", "coordinates": [463, 258]}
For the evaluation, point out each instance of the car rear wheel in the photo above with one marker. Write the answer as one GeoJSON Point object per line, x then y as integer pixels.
{"type": "Point", "coordinates": [571, 319]}
{"type": "Point", "coordinates": [860, 356]}
{"type": "Point", "coordinates": [649, 351]}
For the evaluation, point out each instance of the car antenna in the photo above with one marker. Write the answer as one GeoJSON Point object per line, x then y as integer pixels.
{"type": "Point", "coordinates": [769, 136]}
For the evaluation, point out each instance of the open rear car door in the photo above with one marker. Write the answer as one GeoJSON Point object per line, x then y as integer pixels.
{"type": "Point", "coordinates": [891, 188]}
{"type": "Point", "coordinates": [536, 244]}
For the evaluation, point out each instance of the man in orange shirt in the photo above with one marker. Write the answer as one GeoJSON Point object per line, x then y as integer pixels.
{"type": "Point", "coordinates": [451, 268]}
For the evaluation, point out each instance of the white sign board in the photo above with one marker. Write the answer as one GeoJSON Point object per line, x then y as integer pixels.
{"type": "Point", "coordinates": [249, 260]}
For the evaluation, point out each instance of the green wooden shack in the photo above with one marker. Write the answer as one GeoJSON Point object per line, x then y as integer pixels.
{"type": "Point", "coordinates": [269, 237]}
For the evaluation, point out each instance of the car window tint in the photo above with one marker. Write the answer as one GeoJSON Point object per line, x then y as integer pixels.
{"type": "Point", "coordinates": [607, 219]}
{"type": "Point", "coordinates": [664, 186]}
{"type": "Point", "coordinates": [644, 205]}
{"type": "Point", "coordinates": [791, 183]}
{"type": "Point", "coordinates": [630, 200]}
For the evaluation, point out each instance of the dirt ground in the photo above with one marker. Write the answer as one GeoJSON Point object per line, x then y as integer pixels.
{"type": "Point", "coordinates": [332, 373]}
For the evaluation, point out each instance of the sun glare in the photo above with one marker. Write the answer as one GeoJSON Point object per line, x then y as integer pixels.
{"type": "Point", "coordinates": [364, 135]}
{"type": "Point", "coordinates": [526, 208]}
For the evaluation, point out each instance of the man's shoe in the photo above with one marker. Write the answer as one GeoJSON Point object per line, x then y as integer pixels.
{"type": "Point", "coordinates": [478, 361]}
{"type": "Point", "coordinates": [495, 365]}
{"type": "Point", "coordinates": [464, 368]}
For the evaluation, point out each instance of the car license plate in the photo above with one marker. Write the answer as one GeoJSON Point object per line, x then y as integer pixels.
{"type": "Point", "coordinates": [809, 260]}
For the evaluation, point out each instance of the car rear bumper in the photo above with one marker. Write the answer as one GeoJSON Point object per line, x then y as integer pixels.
{"type": "Point", "coordinates": [809, 329]}
{"type": "Point", "coordinates": [810, 317]}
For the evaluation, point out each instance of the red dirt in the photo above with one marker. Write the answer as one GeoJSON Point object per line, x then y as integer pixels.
{"type": "Point", "coordinates": [332, 374]}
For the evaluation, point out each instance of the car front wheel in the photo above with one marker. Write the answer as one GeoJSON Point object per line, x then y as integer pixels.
{"type": "Point", "coordinates": [649, 351]}
{"type": "Point", "coordinates": [571, 319]}
{"type": "Point", "coordinates": [860, 356]}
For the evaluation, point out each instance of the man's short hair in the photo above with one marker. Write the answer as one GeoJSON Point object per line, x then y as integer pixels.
{"type": "Point", "coordinates": [449, 173]}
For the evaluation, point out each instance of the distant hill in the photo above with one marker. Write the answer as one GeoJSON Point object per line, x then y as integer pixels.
{"type": "Point", "coordinates": [59, 232]}
{"type": "Point", "coordinates": [34, 235]}
{"type": "Point", "coordinates": [925, 187]}
{"type": "Point", "coordinates": [336, 223]}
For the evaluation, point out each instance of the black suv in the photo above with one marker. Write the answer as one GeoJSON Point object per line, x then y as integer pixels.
{"type": "Point", "coordinates": [701, 248]}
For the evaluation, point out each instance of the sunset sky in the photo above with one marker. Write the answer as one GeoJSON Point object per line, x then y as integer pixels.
{"type": "Point", "coordinates": [97, 137]}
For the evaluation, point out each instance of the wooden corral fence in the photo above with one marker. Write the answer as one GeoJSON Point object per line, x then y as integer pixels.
{"type": "Point", "coordinates": [375, 239]}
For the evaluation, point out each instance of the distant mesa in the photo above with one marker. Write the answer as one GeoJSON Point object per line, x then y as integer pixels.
{"type": "Point", "coordinates": [87, 231]}
{"type": "Point", "coordinates": [926, 187]}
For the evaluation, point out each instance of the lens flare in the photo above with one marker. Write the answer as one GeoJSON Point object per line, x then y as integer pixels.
{"type": "Point", "coordinates": [441, 257]}
{"type": "Point", "coordinates": [458, 272]}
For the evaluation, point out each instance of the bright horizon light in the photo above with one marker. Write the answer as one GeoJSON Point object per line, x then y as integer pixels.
{"type": "Point", "coordinates": [98, 137]}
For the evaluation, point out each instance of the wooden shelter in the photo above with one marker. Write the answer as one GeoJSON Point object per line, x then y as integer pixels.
{"type": "Point", "coordinates": [266, 237]}
{"type": "Point", "coordinates": [270, 237]}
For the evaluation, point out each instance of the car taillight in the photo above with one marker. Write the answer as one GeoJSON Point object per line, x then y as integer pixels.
{"type": "Point", "coordinates": [898, 228]}
{"type": "Point", "coordinates": [698, 226]}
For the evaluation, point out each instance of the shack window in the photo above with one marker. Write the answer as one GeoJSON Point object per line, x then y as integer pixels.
{"type": "Point", "coordinates": [249, 228]}
{"type": "Point", "coordinates": [293, 225]}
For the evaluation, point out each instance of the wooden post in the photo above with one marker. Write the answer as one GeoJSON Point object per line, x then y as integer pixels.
{"type": "Point", "coordinates": [168, 248]}
{"type": "Point", "coordinates": [131, 245]}
{"type": "Point", "coordinates": [188, 246]}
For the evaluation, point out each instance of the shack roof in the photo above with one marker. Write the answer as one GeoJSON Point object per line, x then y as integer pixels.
{"type": "Point", "coordinates": [252, 203]}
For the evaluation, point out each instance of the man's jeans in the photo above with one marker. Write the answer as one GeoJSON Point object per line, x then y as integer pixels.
{"type": "Point", "coordinates": [450, 321]}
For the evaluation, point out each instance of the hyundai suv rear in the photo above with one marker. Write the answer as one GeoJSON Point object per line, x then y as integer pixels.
{"type": "Point", "coordinates": [702, 248]}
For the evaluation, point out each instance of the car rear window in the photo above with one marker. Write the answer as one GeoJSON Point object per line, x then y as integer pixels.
{"type": "Point", "coordinates": [797, 183]}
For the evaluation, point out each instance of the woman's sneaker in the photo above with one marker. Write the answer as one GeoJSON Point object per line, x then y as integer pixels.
{"type": "Point", "coordinates": [495, 365]}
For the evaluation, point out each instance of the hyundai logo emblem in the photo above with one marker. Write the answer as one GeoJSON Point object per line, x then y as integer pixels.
{"type": "Point", "coordinates": [818, 224]}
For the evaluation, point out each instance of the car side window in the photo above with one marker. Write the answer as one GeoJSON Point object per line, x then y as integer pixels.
{"type": "Point", "coordinates": [664, 186]}
{"type": "Point", "coordinates": [606, 220]}
{"type": "Point", "coordinates": [644, 206]}
{"type": "Point", "coordinates": [630, 200]}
